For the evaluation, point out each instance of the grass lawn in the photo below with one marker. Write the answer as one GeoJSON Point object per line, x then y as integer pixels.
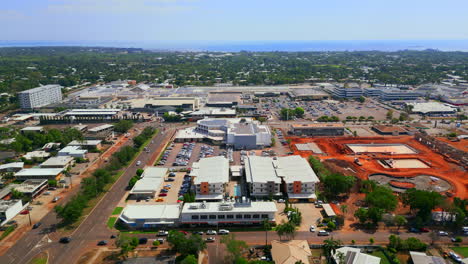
{"type": "Point", "coordinates": [383, 258]}
{"type": "Point", "coordinates": [7, 232]}
{"type": "Point", "coordinates": [42, 260]}
{"type": "Point", "coordinates": [117, 211]}
{"type": "Point", "coordinates": [462, 251]}
{"type": "Point", "coordinates": [111, 222]}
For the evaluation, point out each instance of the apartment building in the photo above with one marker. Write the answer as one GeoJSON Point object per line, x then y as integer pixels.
{"type": "Point", "coordinates": [298, 177]}
{"type": "Point", "coordinates": [290, 175]}
{"type": "Point", "coordinates": [261, 176]}
{"type": "Point", "coordinates": [211, 176]}
{"type": "Point", "coordinates": [40, 96]}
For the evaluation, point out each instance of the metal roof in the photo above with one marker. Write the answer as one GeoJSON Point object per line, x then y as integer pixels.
{"type": "Point", "coordinates": [212, 170]}
{"type": "Point", "coordinates": [154, 211]}
{"type": "Point", "coordinates": [146, 185]}
{"type": "Point", "coordinates": [57, 161]}
{"type": "Point", "coordinates": [213, 207]}
{"type": "Point", "coordinates": [38, 171]}
{"type": "Point", "coordinates": [154, 172]}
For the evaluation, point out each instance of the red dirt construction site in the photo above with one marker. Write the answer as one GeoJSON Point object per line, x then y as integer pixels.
{"type": "Point", "coordinates": [401, 161]}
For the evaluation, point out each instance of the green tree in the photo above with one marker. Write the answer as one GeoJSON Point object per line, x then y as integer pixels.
{"type": "Point", "coordinates": [399, 221]}
{"type": "Point", "coordinates": [329, 248]}
{"type": "Point", "coordinates": [190, 259]}
{"type": "Point", "coordinates": [336, 184]}
{"type": "Point", "coordinates": [123, 126]}
{"type": "Point", "coordinates": [235, 248]}
{"type": "Point", "coordinates": [423, 202]}
{"type": "Point", "coordinates": [299, 112]}
{"type": "Point", "coordinates": [52, 183]}
{"type": "Point", "coordinates": [286, 229]}
{"type": "Point", "coordinates": [389, 114]}
{"type": "Point", "coordinates": [15, 194]}
{"type": "Point", "coordinates": [361, 99]}
{"type": "Point", "coordinates": [382, 197]}
{"type": "Point", "coordinates": [361, 214]}
{"type": "Point", "coordinates": [139, 172]}
{"type": "Point", "coordinates": [126, 244]}
{"type": "Point", "coordinates": [186, 245]}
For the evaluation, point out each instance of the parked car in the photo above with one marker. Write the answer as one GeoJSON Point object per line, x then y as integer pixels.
{"type": "Point", "coordinates": [425, 230]}
{"type": "Point", "coordinates": [56, 198]}
{"type": "Point", "coordinates": [414, 230]}
{"type": "Point", "coordinates": [198, 233]}
{"type": "Point", "coordinates": [442, 233]}
{"type": "Point", "coordinates": [312, 228]}
{"type": "Point", "coordinates": [65, 240]}
{"type": "Point", "coordinates": [143, 241]}
{"type": "Point", "coordinates": [162, 194]}
{"type": "Point", "coordinates": [210, 239]}
{"type": "Point", "coordinates": [24, 212]}
{"type": "Point", "coordinates": [160, 240]}
{"type": "Point", "coordinates": [102, 243]}
{"type": "Point", "coordinates": [163, 233]}
{"type": "Point", "coordinates": [37, 225]}
{"type": "Point", "coordinates": [138, 163]}
{"type": "Point", "coordinates": [211, 232]}
{"type": "Point", "coordinates": [323, 233]}
{"type": "Point", "coordinates": [223, 232]}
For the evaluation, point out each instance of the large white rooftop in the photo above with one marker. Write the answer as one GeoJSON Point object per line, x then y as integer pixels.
{"type": "Point", "coordinates": [12, 165]}
{"type": "Point", "coordinates": [428, 107]}
{"type": "Point", "coordinates": [214, 207]}
{"type": "Point", "coordinates": [158, 212]}
{"type": "Point", "coordinates": [57, 161]}
{"type": "Point", "coordinates": [290, 168]}
{"type": "Point", "coordinates": [37, 172]}
{"type": "Point", "coordinates": [99, 128]}
{"type": "Point", "coordinates": [154, 172]}
{"type": "Point", "coordinates": [295, 168]}
{"type": "Point", "coordinates": [146, 185]}
{"type": "Point", "coordinates": [260, 169]}
{"type": "Point", "coordinates": [212, 170]}
{"type": "Point", "coordinates": [354, 256]}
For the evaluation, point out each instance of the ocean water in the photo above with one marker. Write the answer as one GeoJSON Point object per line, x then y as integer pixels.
{"type": "Point", "coordinates": [290, 46]}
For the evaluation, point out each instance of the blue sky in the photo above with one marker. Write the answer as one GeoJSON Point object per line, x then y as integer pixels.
{"type": "Point", "coordinates": [232, 20]}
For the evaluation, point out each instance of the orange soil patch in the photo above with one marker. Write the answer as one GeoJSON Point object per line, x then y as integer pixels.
{"type": "Point", "coordinates": [439, 166]}
{"type": "Point", "coordinates": [402, 185]}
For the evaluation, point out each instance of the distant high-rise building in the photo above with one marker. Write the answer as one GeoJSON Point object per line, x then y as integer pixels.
{"type": "Point", "coordinates": [40, 96]}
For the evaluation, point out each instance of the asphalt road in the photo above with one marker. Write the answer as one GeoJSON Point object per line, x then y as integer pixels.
{"type": "Point", "coordinates": [91, 230]}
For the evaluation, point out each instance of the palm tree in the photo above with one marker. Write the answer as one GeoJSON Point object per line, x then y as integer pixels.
{"type": "Point", "coordinates": [330, 246]}
{"type": "Point", "coordinates": [344, 208]}
{"type": "Point", "coordinates": [266, 226]}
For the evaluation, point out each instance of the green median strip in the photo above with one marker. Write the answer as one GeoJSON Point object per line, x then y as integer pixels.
{"type": "Point", "coordinates": [117, 211]}
{"type": "Point", "coordinates": [111, 222]}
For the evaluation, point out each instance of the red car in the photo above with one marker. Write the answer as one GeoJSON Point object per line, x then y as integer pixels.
{"type": "Point", "coordinates": [163, 194]}
{"type": "Point", "coordinates": [24, 212]}
{"type": "Point", "coordinates": [183, 232]}
{"type": "Point", "coordinates": [424, 230]}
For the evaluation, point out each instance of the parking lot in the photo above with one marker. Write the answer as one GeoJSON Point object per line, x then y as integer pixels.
{"type": "Point", "coordinates": [179, 155]}
{"type": "Point", "coordinates": [316, 109]}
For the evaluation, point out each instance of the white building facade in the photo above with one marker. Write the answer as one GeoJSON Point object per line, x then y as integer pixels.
{"type": "Point", "coordinates": [40, 96]}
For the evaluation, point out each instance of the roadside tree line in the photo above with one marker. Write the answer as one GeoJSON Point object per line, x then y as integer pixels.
{"type": "Point", "coordinates": [93, 186]}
